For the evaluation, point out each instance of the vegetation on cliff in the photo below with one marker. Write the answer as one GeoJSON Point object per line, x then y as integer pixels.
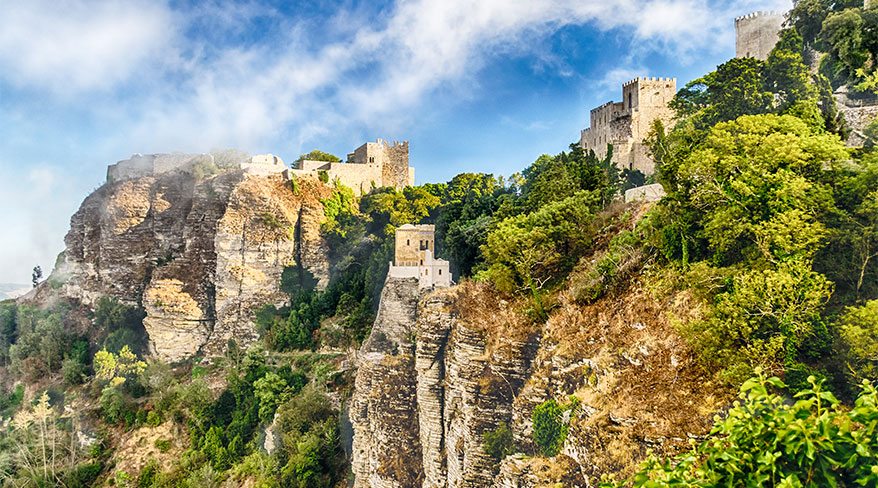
{"type": "Point", "coordinates": [770, 224]}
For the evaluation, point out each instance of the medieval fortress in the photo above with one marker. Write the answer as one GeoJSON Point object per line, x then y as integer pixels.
{"type": "Point", "coordinates": [372, 165]}
{"type": "Point", "coordinates": [625, 124]}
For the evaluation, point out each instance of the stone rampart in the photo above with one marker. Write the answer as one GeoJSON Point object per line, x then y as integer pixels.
{"type": "Point", "coordinates": [140, 165]}
{"type": "Point", "coordinates": [646, 193]}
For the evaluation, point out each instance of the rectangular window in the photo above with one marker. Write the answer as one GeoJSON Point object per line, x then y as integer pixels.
{"type": "Point", "coordinates": [440, 272]}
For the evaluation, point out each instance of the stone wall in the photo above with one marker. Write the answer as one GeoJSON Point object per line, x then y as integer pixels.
{"type": "Point", "coordinates": [756, 34]}
{"type": "Point", "coordinates": [857, 119]}
{"type": "Point", "coordinates": [140, 165]}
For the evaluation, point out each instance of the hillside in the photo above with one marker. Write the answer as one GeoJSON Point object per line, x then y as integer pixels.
{"type": "Point", "coordinates": [237, 324]}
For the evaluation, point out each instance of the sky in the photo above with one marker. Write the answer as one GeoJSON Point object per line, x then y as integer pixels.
{"type": "Point", "coordinates": [474, 86]}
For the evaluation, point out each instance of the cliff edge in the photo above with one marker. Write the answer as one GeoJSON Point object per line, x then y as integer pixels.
{"type": "Point", "coordinates": [199, 253]}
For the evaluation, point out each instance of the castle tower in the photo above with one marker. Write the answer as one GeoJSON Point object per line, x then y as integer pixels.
{"type": "Point", "coordinates": [393, 159]}
{"type": "Point", "coordinates": [413, 257]}
{"type": "Point", "coordinates": [757, 33]}
{"type": "Point", "coordinates": [625, 124]}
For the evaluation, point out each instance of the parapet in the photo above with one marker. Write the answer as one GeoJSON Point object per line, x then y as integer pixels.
{"type": "Point", "coordinates": [642, 79]}
{"type": "Point", "coordinates": [139, 165]}
{"type": "Point", "coordinates": [755, 15]}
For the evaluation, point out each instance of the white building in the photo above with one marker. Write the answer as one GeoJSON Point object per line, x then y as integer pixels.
{"type": "Point", "coordinates": [413, 257]}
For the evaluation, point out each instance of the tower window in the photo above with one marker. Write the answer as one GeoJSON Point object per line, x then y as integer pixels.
{"type": "Point", "coordinates": [407, 243]}
{"type": "Point", "coordinates": [440, 272]}
{"type": "Point", "coordinates": [630, 100]}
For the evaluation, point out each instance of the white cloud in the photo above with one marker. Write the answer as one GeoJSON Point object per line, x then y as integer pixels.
{"type": "Point", "coordinates": [70, 46]}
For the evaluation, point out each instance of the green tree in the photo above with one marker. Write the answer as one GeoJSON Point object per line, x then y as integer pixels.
{"type": "Point", "coordinates": [527, 252]}
{"type": "Point", "coordinates": [765, 441]}
{"type": "Point", "coordinates": [786, 73]}
{"type": "Point", "coordinates": [317, 155]}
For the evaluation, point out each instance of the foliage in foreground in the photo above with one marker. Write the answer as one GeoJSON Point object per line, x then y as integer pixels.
{"type": "Point", "coordinates": [766, 441]}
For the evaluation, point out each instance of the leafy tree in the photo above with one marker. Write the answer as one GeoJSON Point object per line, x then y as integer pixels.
{"type": "Point", "coordinates": [317, 155]}
{"type": "Point", "coordinates": [807, 17]}
{"type": "Point", "coordinates": [859, 331]}
{"type": "Point", "coordinates": [526, 252]}
{"type": "Point", "coordinates": [786, 73]}
{"type": "Point", "coordinates": [765, 441]}
{"type": "Point", "coordinates": [736, 88]}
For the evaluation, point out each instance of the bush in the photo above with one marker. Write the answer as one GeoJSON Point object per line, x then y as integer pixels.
{"type": "Point", "coordinates": [859, 332]}
{"type": "Point", "coordinates": [498, 443]}
{"type": "Point", "coordinates": [147, 475]}
{"type": "Point", "coordinates": [153, 418]}
{"type": "Point", "coordinates": [73, 372]}
{"type": "Point", "coordinates": [767, 442]}
{"type": "Point", "coordinates": [549, 429]}
{"type": "Point", "coordinates": [84, 475]}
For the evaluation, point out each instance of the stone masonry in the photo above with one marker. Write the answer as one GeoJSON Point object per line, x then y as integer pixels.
{"type": "Point", "coordinates": [756, 34]}
{"type": "Point", "coordinates": [371, 165]}
{"type": "Point", "coordinates": [625, 124]}
{"type": "Point", "coordinates": [413, 257]}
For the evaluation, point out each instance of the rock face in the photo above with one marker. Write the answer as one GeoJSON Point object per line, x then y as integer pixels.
{"type": "Point", "coordinates": [436, 376]}
{"type": "Point", "coordinates": [201, 255]}
{"type": "Point", "coordinates": [430, 384]}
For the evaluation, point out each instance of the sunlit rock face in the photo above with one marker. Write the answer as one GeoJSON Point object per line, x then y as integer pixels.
{"type": "Point", "coordinates": [200, 254]}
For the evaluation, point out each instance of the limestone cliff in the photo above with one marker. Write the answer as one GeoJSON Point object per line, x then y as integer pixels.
{"type": "Point", "coordinates": [435, 377]}
{"type": "Point", "coordinates": [201, 255]}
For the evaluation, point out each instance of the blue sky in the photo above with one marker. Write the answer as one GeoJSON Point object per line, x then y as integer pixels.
{"type": "Point", "coordinates": [474, 86]}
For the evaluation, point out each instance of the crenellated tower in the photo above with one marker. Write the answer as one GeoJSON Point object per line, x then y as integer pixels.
{"type": "Point", "coordinates": [756, 34]}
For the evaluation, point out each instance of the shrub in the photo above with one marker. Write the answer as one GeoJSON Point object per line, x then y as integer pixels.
{"type": "Point", "coordinates": [498, 442]}
{"type": "Point", "coordinates": [84, 475]}
{"type": "Point", "coordinates": [153, 418]}
{"type": "Point", "coordinates": [163, 445]}
{"type": "Point", "coordinates": [73, 372]}
{"type": "Point", "coordinates": [767, 442]}
{"type": "Point", "coordinates": [147, 475]}
{"type": "Point", "coordinates": [859, 332]}
{"type": "Point", "coordinates": [549, 429]}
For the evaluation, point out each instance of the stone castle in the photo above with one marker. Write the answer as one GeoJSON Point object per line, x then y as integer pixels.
{"type": "Point", "coordinates": [372, 165]}
{"type": "Point", "coordinates": [756, 34]}
{"type": "Point", "coordinates": [413, 257]}
{"type": "Point", "coordinates": [624, 124]}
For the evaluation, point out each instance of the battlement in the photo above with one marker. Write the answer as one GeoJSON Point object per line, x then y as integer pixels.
{"type": "Point", "coordinates": [653, 79]}
{"type": "Point", "coordinates": [755, 15]}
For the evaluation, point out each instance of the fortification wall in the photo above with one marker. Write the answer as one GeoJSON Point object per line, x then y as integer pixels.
{"type": "Point", "coordinates": [756, 34]}
{"type": "Point", "coordinates": [140, 165]}
{"type": "Point", "coordinates": [395, 167]}
{"type": "Point", "coordinates": [263, 165]}
{"type": "Point", "coordinates": [358, 177]}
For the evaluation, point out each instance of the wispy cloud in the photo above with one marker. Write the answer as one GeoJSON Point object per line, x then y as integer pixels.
{"type": "Point", "coordinates": [67, 47]}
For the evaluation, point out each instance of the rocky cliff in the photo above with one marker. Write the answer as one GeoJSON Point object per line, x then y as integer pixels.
{"type": "Point", "coordinates": [200, 254]}
{"type": "Point", "coordinates": [436, 376]}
